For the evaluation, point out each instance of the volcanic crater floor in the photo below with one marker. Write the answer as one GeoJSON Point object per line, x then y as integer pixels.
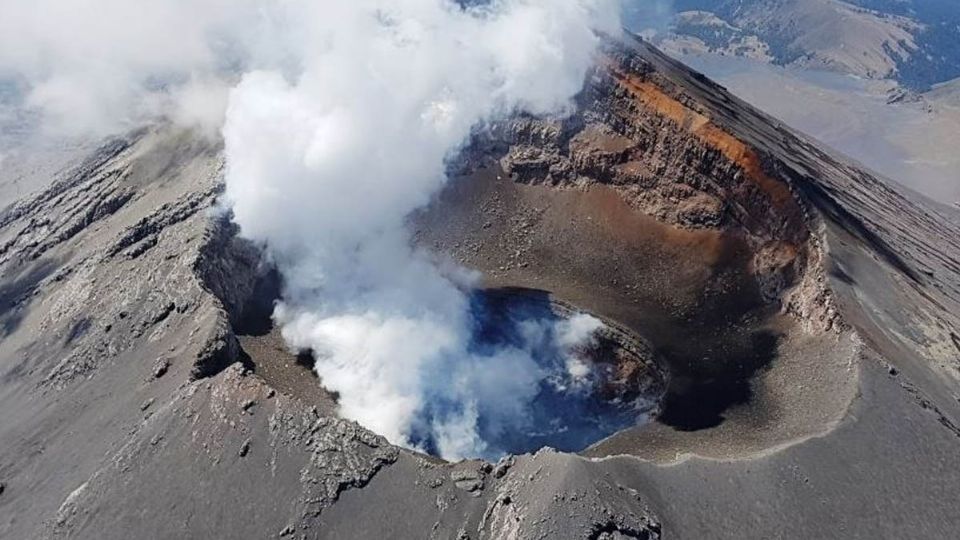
{"type": "Point", "coordinates": [742, 377]}
{"type": "Point", "coordinates": [727, 375]}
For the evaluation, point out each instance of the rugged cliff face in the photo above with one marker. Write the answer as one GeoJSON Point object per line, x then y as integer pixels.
{"type": "Point", "coordinates": [802, 311]}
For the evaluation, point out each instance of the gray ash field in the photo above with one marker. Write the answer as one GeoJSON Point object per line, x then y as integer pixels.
{"type": "Point", "coordinates": [792, 320]}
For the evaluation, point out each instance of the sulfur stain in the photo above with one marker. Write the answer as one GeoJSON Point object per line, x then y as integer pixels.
{"type": "Point", "coordinates": [735, 150]}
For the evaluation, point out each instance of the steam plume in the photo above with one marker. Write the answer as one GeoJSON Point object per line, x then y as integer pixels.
{"type": "Point", "coordinates": [325, 168]}
{"type": "Point", "coordinates": [337, 118]}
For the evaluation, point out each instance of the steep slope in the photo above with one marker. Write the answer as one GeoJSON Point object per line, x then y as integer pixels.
{"type": "Point", "coordinates": [901, 135]}
{"type": "Point", "coordinates": [806, 312]}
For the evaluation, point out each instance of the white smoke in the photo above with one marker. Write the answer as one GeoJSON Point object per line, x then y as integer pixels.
{"type": "Point", "coordinates": [89, 65]}
{"type": "Point", "coordinates": [648, 17]}
{"type": "Point", "coordinates": [337, 117]}
{"type": "Point", "coordinates": [576, 331]}
{"type": "Point", "coordinates": [325, 168]}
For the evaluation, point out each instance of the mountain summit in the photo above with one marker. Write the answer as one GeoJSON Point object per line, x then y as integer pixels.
{"type": "Point", "coordinates": [794, 319]}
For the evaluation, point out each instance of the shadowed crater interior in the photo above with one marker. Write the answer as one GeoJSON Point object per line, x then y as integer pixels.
{"type": "Point", "coordinates": [597, 377]}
